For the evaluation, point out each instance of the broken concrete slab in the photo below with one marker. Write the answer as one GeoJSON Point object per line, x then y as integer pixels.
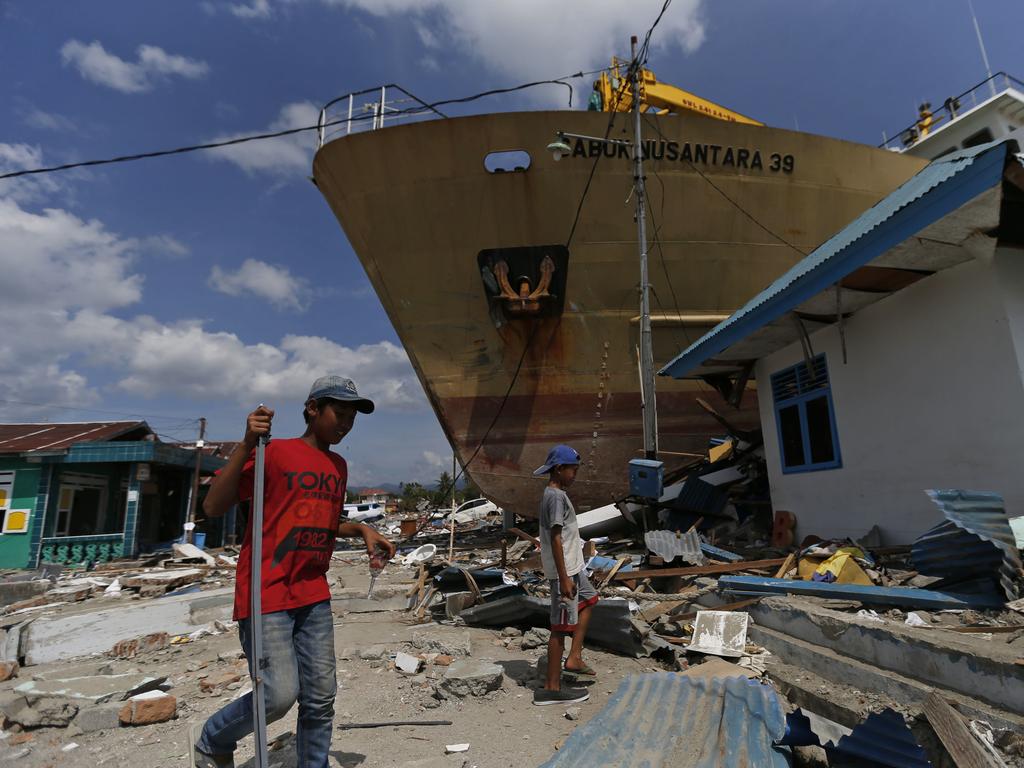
{"type": "Point", "coordinates": [158, 581]}
{"type": "Point", "coordinates": [714, 667]}
{"type": "Point", "coordinates": [17, 591]}
{"type": "Point", "coordinates": [937, 658]}
{"type": "Point", "coordinates": [129, 649]}
{"type": "Point", "coordinates": [468, 677]}
{"type": "Point", "coordinates": [804, 670]}
{"type": "Point", "coordinates": [92, 689]}
{"type": "Point", "coordinates": [99, 717]}
{"type": "Point", "coordinates": [62, 637]}
{"type": "Point", "coordinates": [451, 642]}
{"type": "Point", "coordinates": [54, 712]}
{"type": "Point", "coordinates": [192, 552]}
{"type": "Point", "coordinates": [211, 608]}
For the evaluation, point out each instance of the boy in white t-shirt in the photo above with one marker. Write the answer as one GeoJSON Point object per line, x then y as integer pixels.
{"type": "Point", "coordinates": [572, 595]}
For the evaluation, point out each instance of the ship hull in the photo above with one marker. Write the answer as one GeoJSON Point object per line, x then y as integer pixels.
{"type": "Point", "coordinates": [422, 212]}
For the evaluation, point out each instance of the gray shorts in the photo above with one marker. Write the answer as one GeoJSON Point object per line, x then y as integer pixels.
{"type": "Point", "coordinates": [565, 614]}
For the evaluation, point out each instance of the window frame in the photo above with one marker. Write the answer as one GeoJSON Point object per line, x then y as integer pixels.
{"type": "Point", "coordinates": [804, 395]}
{"type": "Point", "coordinates": [9, 478]}
{"type": "Point", "coordinates": [71, 483]}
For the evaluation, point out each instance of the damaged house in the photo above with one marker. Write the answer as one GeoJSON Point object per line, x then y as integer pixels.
{"type": "Point", "coordinates": [77, 492]}
{"type": "Point", "coordinates": [891, 359]}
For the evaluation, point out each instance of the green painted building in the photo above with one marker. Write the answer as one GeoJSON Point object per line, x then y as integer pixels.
{"type": "Point", "coordinates": [93, 492]}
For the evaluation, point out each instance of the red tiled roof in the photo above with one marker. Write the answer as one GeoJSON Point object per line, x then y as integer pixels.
{"type": "Point", "coordinates": [373, 492]}
{"type": "Point", "coordinates": [20, 438]}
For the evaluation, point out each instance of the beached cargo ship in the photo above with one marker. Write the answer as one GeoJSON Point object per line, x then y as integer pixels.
{"type": "Point", "coordinates": [523, 337]}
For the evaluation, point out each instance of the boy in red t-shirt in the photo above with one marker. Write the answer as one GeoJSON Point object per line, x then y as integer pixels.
{"type": "Point", "coordinates": [304, 494]}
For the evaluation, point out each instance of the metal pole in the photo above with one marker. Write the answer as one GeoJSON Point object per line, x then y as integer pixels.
{"type": "Point", "coordinates": [382, 102]}
{"type": "Point", "coordinates": [348, 125]}
{"type": "Point", "coordinates": [193, 498]}
{"type": "Point", "coordinates": [981, 44]}
{"type": "Point", "coordinates": [259, 711]}
{"type": "Point", "coordinates": [650, 407]}
{"type": "Point", "coordinates": [451, 537]}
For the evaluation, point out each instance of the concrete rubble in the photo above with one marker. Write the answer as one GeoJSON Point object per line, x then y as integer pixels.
{"type": "Point", "coordinates": [107, 668]}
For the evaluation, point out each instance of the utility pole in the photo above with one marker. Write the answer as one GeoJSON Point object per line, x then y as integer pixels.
{"type": "Point", "coordinates": [193, 498]}
{"type": "Point", "coordinates": [650, 408]}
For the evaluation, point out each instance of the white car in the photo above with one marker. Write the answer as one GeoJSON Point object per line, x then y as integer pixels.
{"type": "Point", "coordinates": [475, 510]}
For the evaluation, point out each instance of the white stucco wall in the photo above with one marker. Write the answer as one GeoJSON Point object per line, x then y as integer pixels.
{"type": "Point", "coordinates": [931, 397]}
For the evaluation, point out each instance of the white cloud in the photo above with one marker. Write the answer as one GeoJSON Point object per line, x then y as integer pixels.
{"type": "Point", "coordinates": [258, 278]}
{"type": "Point", "coordinates": [25, 189]}
{"type": "Point", "coordinates": [287, 156]}
{"type": "Point", "coordinates": [256, 9]}
{"type": "Point", "coordinates": [538, 39]}
{"type": "Point", "coordinates": [48, 121]}
{"type": "Point", "coordinates": [70, 287]}
{"type": "Point", "coordinates": [95, 63]}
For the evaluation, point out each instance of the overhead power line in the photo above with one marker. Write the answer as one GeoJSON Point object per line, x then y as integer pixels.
{"type": "Point", "coordinates": [292, 131]}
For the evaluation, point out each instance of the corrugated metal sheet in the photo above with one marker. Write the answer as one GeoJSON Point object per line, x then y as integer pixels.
{"type": "Point", "coordinates": [979, 168]}
{"type": "Point", "coordinates": [883, 739]}
{"type": "Point", "coordinates": [975, 540]}
{"type": "Point", "coordinates": [666, 720]}
{"type": "Point", "coordinates": [22, 438]}
{"type": "Point", "coordinates": [672, 544]}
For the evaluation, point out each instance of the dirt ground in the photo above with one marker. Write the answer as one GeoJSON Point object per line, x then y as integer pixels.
{"type": "Point", "coordinates": [504, 729]}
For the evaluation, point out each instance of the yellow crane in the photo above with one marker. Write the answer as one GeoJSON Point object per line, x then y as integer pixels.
{"type": "Point", "coordinates": [613, 94]}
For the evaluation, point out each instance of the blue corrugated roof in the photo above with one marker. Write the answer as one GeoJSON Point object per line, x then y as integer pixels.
{"type": "Point", "coordinates": [666, 720]}
{"type": "Point", "coordinates": [975, 539]}
{"type": "Point", "coordinates": [937, 190]}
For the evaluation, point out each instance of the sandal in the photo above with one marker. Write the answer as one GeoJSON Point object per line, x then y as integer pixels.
{"type": "Point", "coordinates": [584, 671]}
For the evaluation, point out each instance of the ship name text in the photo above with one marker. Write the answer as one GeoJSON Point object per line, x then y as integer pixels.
{"type": "Point", "coordinates": [687, 152]}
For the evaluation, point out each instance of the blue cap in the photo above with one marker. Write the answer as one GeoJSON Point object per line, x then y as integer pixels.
{"type": "Point", "coordinates": [557, 456]}
{"type": "Point", "coordinates": [339, 388]}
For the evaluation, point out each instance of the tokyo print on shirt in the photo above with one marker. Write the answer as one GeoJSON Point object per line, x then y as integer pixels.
{"type": "Point", "coordinates": [304, 495]}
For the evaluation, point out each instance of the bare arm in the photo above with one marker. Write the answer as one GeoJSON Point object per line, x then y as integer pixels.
{"type": "Point", "coordinates": [372, 538]}
{"type": "Point", "coordinates": [224, 491]}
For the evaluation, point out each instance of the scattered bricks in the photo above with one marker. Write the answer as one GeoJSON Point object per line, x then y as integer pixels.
{"type": "Point", "coordinates": [149, 708]}
{"type": "Point", "coordinates": [443, 660]}
{"type": "Point", "coordinates": [19, 738]}
{"type": "Point", "coordinates": [470, 678]}
{"type": "Point", "coordinates": [535, 638]}
{"type": "Point", "coordinates": [46, 711]}
{"type": "Point", "coordinates": [219, 680]}
{"type": "Point", "coordinates": [449, 642]}
{"type": "Point", "coordinates": [100, 717]}
{"type": "Point", "coordinates": [129, 649]}
{"type": "Point", "coordinates": [8, 669]}
{"type": "Point", "coordinates": [32, 602]}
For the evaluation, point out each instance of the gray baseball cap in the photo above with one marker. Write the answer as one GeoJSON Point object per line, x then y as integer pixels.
{"type": "Point", "coordinates": [339, 388]}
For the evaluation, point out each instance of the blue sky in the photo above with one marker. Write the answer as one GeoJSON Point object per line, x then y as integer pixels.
{"type": "Point", "coordinates": [201, 285]}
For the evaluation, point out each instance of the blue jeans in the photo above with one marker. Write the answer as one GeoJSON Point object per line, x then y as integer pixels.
{"type": "Point", "coordinates": [298, 664]}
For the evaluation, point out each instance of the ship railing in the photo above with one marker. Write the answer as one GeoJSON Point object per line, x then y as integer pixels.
{"type": "Point", "coordinates": [370, 110]}
{"type": "Point", "coordinates": [951, 109]}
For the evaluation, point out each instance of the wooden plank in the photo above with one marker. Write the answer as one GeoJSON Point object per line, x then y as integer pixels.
{"type": "Point", "coordinates": [954, 734]}
{"type": "Point", "coordinates": [614, 571]}
{"type": "Point", "coordinates": [700, 570]}
{"type": "Point", "coordinates": [784, 568]}
{"type": "Point", "coordinates": [659, 610]}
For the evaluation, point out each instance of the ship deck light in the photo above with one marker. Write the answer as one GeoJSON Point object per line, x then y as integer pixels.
{"type": "Point", "coordinates": [559, 148]}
